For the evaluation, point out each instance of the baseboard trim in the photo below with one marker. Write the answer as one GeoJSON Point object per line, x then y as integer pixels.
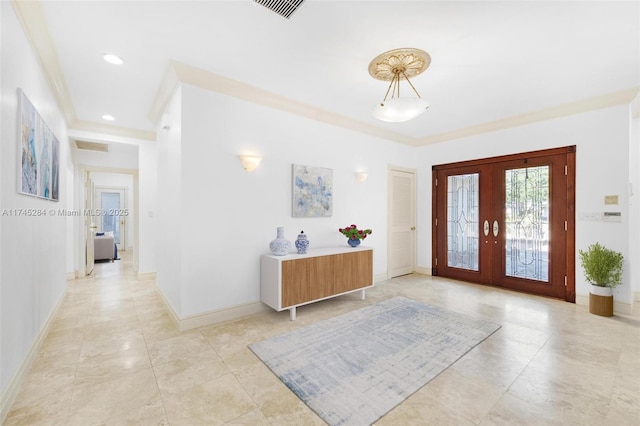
{"type": "Point", "coordinates": [380, 278]}
{"type": "Point", "coordinates": [213, 317]}
{"type": "Point", "coordinates": [10, 394]}
{"type": "Point", "coordinates": [618, 307]}
{"type": "Point", "coordinates": [422, 270]}
{"type": "Point", "coordinates": [227, 314]}
{"type": "Point", "coordinates": [146, 276]}
{"type": "Point", "coordinates": [173, 314]}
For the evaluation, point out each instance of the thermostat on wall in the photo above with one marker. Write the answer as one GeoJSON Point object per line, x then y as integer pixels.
{"type": "Point", "coordinates": [612, 217]}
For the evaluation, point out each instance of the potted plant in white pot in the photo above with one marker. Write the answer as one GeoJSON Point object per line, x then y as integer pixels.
{"type": "Point", "coordinates": [603, 269]}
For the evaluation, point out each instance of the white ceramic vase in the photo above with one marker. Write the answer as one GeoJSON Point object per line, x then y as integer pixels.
{"type": "Point", "coordinates": [280, 246]}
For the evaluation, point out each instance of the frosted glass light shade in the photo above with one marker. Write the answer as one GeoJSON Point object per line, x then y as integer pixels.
{"type": "Point", "coordinates": [249, 162]}
{"type": "Point", "coordinates": [397, 110]}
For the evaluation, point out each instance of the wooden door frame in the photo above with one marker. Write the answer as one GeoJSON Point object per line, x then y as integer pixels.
{"type": "Point", "coordinates": [570, 152]}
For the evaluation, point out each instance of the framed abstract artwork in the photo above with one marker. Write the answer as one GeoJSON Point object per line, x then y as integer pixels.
{"type": "Point", "coordinates": [39, 151]}
{"type": "Point", "coordinates": [312, 194]}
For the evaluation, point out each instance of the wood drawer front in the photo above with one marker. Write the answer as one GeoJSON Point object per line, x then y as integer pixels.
{"type": "Point", "coordinates": [304, 280]}
{"type": "Point", "coordinates": [308, 279]}
{"type": "Point", "coordinates": [353, 271]}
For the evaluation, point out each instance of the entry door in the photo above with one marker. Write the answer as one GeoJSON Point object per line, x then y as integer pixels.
{"type": "Point", "coordinates": [111, 204]}
{"type": "Point", "coordinates": [508, 222]}
{"type": "Point", "coordinates": [402, 219]}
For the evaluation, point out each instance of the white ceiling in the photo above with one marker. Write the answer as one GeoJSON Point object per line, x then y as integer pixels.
{"type": "Point", "coordinates": [491, 61]}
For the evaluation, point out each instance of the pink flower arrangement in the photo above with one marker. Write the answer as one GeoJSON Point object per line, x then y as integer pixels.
{"type": "Point", "coordinates": [353, 233]}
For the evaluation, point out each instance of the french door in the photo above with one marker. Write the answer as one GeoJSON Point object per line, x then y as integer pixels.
{"type": "Point", "coordinates": [508, 221]}
{"type": "Point", "coordinates": [111, 202]}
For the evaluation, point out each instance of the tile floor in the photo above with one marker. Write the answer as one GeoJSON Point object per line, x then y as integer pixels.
{"type": "Point", "coordinates": [113, 357]}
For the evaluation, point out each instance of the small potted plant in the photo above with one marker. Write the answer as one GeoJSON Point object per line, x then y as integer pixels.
{"type": "Point", "coordinates": [354, 235]}
{"type": "Point", "coordinates": [603, 269]}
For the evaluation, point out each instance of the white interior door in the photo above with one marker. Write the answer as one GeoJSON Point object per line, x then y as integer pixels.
{"type": "Point", "coordinates": [90, 226]}
{"type": "Point", "coordinates": [402, 220]}
{"type": "Point", "coordinates": [111, 203]}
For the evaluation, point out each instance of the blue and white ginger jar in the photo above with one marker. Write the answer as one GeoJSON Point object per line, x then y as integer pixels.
{"type": "Point", "coordinates": [302, 243]}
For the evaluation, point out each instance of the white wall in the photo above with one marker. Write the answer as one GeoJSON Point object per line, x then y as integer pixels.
{"type": "Point", "coordinates": [229, 216]}
{"type": "Point", "coordinates": [634, 197]}
{"type": "Point", "coordinates": [602, 168]}
{"type": "Point", "coordinates": [34, 249]}
{"type": "Point", "coordinates": [147, 190]}
{"type": "Point", "coordinates": [170, 233]}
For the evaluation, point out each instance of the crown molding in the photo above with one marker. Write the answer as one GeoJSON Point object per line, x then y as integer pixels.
{"type": "Point", "coordinates": [35, 26]}
{"type": "Point", "coordinates": [597, 102]}
{"type": "Point", "coordinates": [32, 19]}
{"type": "Point", "coordinates": [89, 126]}
{"type": "Point", "coordinates": [167, 89]}
{"type": "Point", "coordinates": [179, 72]}
{"type": "Point", "coordinates": [90, 136]}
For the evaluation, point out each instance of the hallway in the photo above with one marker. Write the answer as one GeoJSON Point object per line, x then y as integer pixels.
{"type": "Point", "coordinates": [113, 356]}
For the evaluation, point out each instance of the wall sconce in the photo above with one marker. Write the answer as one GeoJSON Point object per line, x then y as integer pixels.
{"type": "Point", "coordinates": [361, 176]}
{"type": "Point", "coordinates": [249, 162]}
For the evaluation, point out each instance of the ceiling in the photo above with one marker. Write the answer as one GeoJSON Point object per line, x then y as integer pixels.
{"type": "Point", "coordinates": [493, 64]}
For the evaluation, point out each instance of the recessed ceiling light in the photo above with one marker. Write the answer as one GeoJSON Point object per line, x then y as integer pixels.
{"type": "Point", "coordinates": [113, 59]}
{"type": "Point", "coordinates": [108, 117]}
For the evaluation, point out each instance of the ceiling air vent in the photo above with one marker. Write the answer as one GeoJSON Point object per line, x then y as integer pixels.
{"type": "Point", "coordinates": [281, 7]}
{"type": "Point", "coordinates": [92, 146]}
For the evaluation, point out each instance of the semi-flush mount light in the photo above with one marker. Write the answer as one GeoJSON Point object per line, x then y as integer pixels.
{"type": "Point", "coordinates": [113, 59]}
{"type": "Point", "coordinates": [249, 162]}
{"type": "Point", "coordinates": [108, 117]}
{"type": "Point", "coordinates": [394, 66]}
{"type": "Point", "coordinates": [361, 176]}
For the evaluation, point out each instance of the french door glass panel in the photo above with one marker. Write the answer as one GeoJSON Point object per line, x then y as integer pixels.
{"type": "Point", "coordinates": [110, 202]}
{"type": "Point", "coordinates": [462, 221]}
{"type": "Point", "coordinates": [527, 223]}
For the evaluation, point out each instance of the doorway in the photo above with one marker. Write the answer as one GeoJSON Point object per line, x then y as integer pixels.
{"type": "Point", "coordinates": [112, 205]}
{"type": "Point", "coordinates": [508, 221]}
{"type": "Point", "coordinates": [401, 222]}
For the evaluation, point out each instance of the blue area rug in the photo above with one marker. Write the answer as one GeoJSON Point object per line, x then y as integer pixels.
{"type": "Point", "coordinates": [352, 369]}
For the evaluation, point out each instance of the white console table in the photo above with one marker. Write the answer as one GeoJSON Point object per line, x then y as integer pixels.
{"type": "Point", "coordinates": [293, 280]}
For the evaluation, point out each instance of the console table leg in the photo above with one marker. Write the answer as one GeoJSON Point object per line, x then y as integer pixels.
{"type": "Point", "coordinates": [362, 294]}
{"type": "Point", "coordinates": [292, 314]}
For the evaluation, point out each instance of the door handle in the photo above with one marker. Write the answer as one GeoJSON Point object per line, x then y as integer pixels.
{"type": "Point", "coordinates": [496, 228]}
{"type": "Point", "coordinates": [486, 228]}
{"type": "Point", "coordinates": [413, 228]}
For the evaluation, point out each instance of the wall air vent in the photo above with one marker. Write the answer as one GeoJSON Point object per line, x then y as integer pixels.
{"type": "Point", "coordinates": [281, 7]}
{"type": "Point", "coordinates": [92, 146]}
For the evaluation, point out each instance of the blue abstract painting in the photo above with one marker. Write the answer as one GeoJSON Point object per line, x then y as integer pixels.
{"type": "Point", "coordinates": [39, 154]}
{"type": "Point", "coordinates": [312, 194]}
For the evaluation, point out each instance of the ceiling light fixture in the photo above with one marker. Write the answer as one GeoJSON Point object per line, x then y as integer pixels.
{"type": "Point", "coordinates": [108, 117]}
{"type": "Point", "coordinates": [113, 59]}
{"type": "Point", "coordinates": [394, 66]}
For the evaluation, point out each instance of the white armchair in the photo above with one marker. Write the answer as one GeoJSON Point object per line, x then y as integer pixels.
{"type": "Point", "coordinates": [103, 248]}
